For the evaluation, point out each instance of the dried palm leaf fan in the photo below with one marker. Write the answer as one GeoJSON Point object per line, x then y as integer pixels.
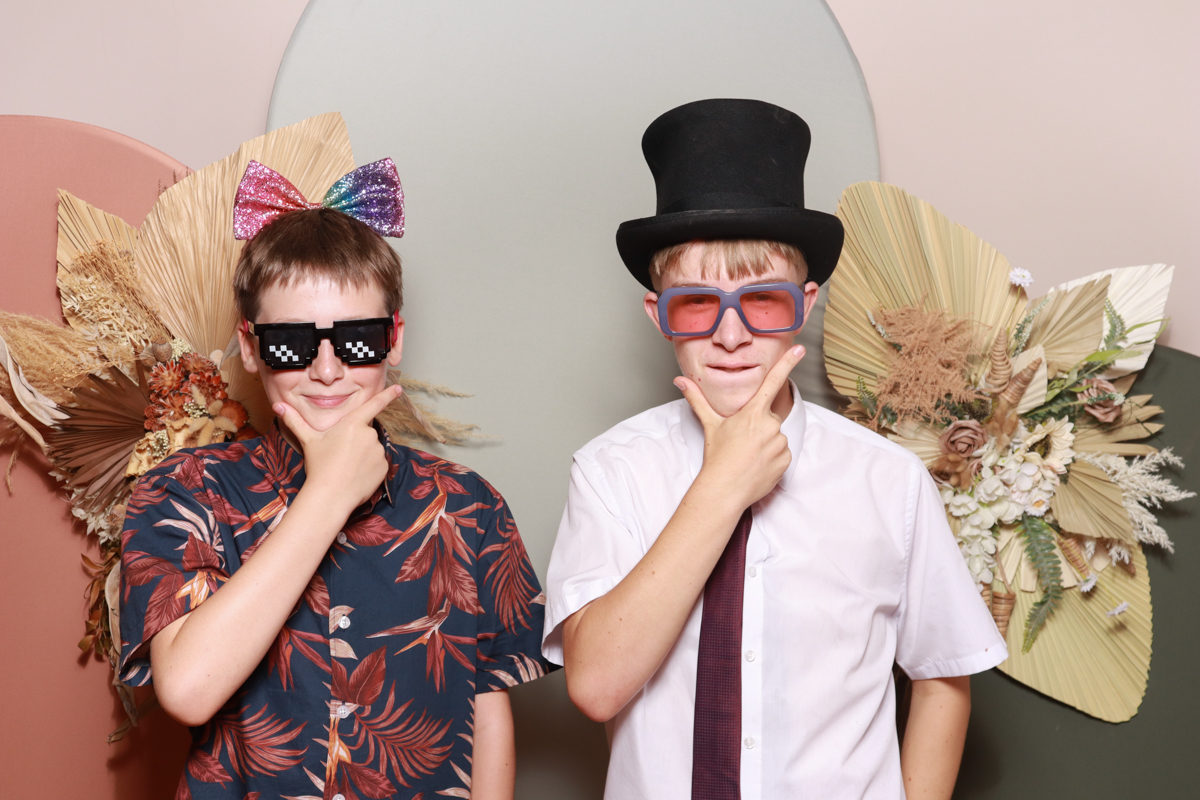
{"type": "Point", "coordinates": [901, 252]}
{"type": "Point", "coordinates": [1085, 634]}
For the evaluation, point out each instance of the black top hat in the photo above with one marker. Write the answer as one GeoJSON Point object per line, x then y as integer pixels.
{"type": "Point", "coordinates": [729, 169]}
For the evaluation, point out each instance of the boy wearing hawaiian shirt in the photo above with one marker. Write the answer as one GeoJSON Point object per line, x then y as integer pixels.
{"type": "Point", "coordinates": [334, 615]}
{"type": "Point", "coordinates": [737, 572]}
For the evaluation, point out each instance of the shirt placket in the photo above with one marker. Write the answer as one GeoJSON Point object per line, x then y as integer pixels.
{"type": "Point", "coordinates": [752, 664]}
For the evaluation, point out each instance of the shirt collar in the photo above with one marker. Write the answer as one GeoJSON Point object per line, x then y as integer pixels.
{"type": "Point", "coordinates": [793, 428]}
{"type": "Point", "coordinates": [286, 453]}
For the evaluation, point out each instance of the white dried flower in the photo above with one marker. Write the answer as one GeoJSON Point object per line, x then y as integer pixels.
{"type": "Point", "coordinates": [963, 504]}
{"type": "Point", "coordinates": [990, 490]}
{"type": "Point", "coordinates": [1019, 276]}
{"type": "Point", "coordinates": [1089, 584]}
{"type": "Point", "coordinates": [1121, 608]}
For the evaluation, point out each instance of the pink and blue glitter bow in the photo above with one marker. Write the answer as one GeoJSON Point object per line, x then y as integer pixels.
{"type": "Point", "coordinates": [371, 194]}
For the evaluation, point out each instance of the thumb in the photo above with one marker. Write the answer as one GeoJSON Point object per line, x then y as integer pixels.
{"type": "Point", "coordinates": [698, 402]}
{"type": "Point", "coordinates": [295, 423]}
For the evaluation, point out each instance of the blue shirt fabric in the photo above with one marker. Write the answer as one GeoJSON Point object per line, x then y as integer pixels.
{"type": "Point", "coordinates": [426, 598]}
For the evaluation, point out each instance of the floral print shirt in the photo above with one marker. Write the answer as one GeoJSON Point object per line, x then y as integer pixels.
{"type": "Point", "coordinates": [425, 599]}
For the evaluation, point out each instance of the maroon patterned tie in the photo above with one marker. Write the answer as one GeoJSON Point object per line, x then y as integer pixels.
{"type": "Point", "coordinates": [716, 751]}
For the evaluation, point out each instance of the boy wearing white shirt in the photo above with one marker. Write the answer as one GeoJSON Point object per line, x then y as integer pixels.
{"type": "Point", "coordinates": [736, 572]}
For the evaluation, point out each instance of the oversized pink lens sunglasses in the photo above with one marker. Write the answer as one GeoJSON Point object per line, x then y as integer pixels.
{"type": "Point", "coordinates": [763, 308]}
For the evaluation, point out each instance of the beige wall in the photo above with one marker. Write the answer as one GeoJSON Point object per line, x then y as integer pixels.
{"type": "Point", "coordinates": [1065, 133]}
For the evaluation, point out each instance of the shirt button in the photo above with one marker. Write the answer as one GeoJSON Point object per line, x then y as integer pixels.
{"type": "Point", "coordinates": [344, 623]}
{"type": "Point", "coordinates": [339, 797]}
{"type": "Point", "coordinates": [749, 655]}
{"type": "Point", "coordinates": [341, 537]}
{"type": "Point", "coordinates": [753, 572]}
{"type": "Point", "coordinates": [749, 745]}
{"type": "Point", "coordinates": [343, 711]}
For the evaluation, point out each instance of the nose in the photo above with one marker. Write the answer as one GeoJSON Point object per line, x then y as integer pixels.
{"type": "Point", "coordinates": [731, 333]}
{"type": "Point", "coordinates": [326, 367]}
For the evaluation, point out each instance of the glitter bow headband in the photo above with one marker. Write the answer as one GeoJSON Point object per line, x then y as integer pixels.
{"type": "Point", "coordinates": [371, 194]}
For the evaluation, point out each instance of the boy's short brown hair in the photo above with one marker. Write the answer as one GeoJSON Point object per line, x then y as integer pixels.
{"type": "Point", "coordinates": [743, 258]}
{"type": "Point", "coordinates": [314, 244]}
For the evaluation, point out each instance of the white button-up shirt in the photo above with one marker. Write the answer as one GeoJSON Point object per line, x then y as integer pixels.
{"type": "Point", "coordinates": [850, 565]}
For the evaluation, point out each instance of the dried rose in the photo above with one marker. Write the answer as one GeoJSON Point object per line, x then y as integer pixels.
{"type": "Point", "coordinates": [962, 438]}
{"type": "Point", "coordinates": [1100, 399]}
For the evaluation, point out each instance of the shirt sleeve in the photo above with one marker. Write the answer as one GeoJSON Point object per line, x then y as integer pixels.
{"type": "Point", "coordinates": [945, 629]}
{"type": "Point", "coordinates": [171, 558]}
{"type": "Point", "coordinates": [512, 606]}
{"type": "Point", "coordinates": [593, 552]}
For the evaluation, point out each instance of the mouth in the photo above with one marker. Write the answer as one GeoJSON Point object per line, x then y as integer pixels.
{"type": "Point", "coordinates": [732, 369]}
{"type": "Point", "coordinates": [326, 400]}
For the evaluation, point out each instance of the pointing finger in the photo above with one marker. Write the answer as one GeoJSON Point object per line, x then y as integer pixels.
{"type": "Point", "coordinates": [371, 409]}
{"type": "Point", "coordinates": [778, 374]}
{"type": "Point", "coordinates": [698, 402]}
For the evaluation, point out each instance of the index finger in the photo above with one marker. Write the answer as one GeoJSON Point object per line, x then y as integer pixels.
{"type": "Point", "coordinates": [370, 409]}
{"type": "Point", "coordinates": [778, 374]}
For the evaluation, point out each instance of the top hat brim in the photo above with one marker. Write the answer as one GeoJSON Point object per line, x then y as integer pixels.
{"type": "Point", "coordinates": [817, 235]}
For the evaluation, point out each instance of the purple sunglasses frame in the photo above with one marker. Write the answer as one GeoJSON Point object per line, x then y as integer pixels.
{"type": "Point", "coordinates": [730, 300]}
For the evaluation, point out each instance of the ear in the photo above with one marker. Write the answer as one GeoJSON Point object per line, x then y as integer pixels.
{"type": "Point", "coordinates": [650, 304]}
{"type": "Point", "coordinates": [246, 346]}
{"type": "Point", "coordinates": [810, 302]}
{"type": "Point", "coordinates": [397, 350]}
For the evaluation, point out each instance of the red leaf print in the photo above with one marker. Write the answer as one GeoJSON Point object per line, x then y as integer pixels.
{"type": "Point", "coordinates": [316, 594]}
{"type": "Point", "coordinates": [190, 473]}
{"type": "Point", "coordinates": [452, 581]}
{"type": "Point", "coordinates": [223, 510]}
{"type": "Point", "coordinates": [255, 744]}
{"type": "Point", "coordinates": [183, 791]}
{"type": "Point", "coordinates": [139, 568]}
{"type": "Point", "coordinates": [280, 657]}
{"type": "Point", "coordinates": [252, 796]}
{"type": "Point", "coordinates": [200, 555]}
{"type": "Point", "coordinates": [371, 783]}
{"type": "Point", "coordinates": [417, 564]}
{"type": "Point", "coordinates": [421, 469]}
{"type": "Point", "coordinates": [453, 538]}
{"type": "Point", "coordinates": [450, 485]}
{"type": "Point", "coordinates": [367, 681]}
{"type": "Point", "coordinates": [164, 607]}
{"type": "Point", "coordinates": [341, 685]}
{"type": "Point", "coordinates": [422, 491]}
{"type": "Point", "coordinates": [235, 451]}
{"type": "Point", "coordinates": [204, 767]}
{"type": "Point", "coordinates": [299, 639]}
{"type": "Point", "coordinates": [409, 746]}
{"type": "Point", "coordinates": [371, 531]}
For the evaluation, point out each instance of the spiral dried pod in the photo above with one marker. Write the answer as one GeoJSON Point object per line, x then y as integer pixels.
{"type": "Point", "coordinates": [986, 593]}
{"type": "Point", "coordinates": [1074, 555]}
{"type": "Point", "coordinates": [1000, 365]}
{"type": "Point", "coordinates": [1015, 390]}
{"type": "Point", "coordinates": [1002, 609]}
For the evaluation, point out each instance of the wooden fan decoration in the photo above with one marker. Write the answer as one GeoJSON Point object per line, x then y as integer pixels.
{"type": "Point", "coordinates": [144, 366]}
{"type": "Point", "coordinates": [1021, 411]}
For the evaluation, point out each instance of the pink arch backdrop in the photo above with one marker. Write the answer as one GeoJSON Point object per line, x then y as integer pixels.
{"type": "Point", "coordinates": [57, 746]}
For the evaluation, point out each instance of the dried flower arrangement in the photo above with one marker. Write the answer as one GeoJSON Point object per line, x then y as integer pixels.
{"type": "Point", "coordinates": [1022, 412]}
{"type": "Point", "coordinates": [144, 367]}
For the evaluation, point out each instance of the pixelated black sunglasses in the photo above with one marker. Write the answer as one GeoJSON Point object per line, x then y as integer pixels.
{"type": "Point", "coordinates": [294, 345]}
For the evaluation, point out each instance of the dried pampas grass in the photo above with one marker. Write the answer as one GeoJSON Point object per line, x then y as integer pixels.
{"type": "Point", "coordinates": [409, 422]}
{"type": "Point", "coordinates": [102, 300]}
{"type": "Point", "coordinates": [929, 367]}
{"type": "Point", "coordinates": [53, 359]}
